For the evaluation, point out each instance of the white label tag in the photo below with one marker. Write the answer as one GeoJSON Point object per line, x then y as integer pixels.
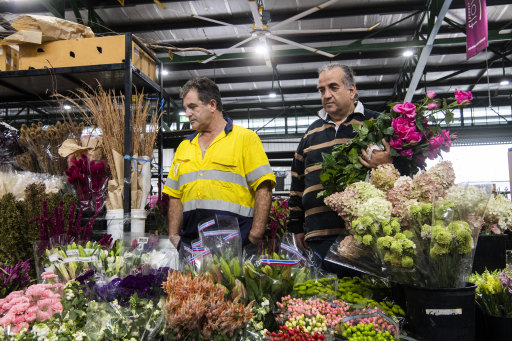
{"type": "Point", "coordinates": [73, 252]}
{"type": "Point", "coordinates": [54, 257]}
{"type": "Point", "coordinates": [443, 312]}
{"type": "Point", "coordinates": [143, 240]}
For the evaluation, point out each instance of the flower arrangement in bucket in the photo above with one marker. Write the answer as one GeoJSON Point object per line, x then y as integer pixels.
{"type": "Point", "coordinates": [494, 291]}
{"type": "Point", "coordinates": [414, 134]}
{"type": "Point", "coordinates": [420, 231]}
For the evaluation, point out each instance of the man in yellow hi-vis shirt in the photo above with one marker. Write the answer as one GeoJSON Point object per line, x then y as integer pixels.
{"type": "Point", "coordinates": [220, 169]}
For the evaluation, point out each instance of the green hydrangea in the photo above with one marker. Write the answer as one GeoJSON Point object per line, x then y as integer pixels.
{"type": "Point", "coordinates": [367, 239]}
{"type": "Point", "coordinates": [441, 235]}
{"type": "Point", "coordinates": [384, 242]}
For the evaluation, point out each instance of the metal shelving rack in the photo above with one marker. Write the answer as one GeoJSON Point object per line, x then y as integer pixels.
{"type": "Point", "coordinates": [18, 87]}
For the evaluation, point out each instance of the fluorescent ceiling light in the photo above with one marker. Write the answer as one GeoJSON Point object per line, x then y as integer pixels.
{"type": "Point", "coordinates": [504, 82]}
{"type": "Point", "coordinates": [67, 107]}
{"type": "Point", "coordinates": [182, 113]}
{"type": "Point", "coordinates": [165, 72]}
{"type": "Point", "coordinates": [272, 94]}
{"type": "Point", "coordinates": [407, 53]}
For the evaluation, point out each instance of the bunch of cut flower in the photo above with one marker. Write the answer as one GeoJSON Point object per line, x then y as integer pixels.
{"type": "Point", "coordinates": [125, 307]}
{"type": "Point", "coordinates": [498, 216]}
{"type": "Point", "coordinates": [64, 325]}
{"type": "Point", "coordinates": [39, 302]}
{"type": "Point", "coordinates": [197, 309]}
{"type": "Point", "coordinates": [419, 230]}
{"type": "Point", "coordinates": [494, 291]}
{"type": "Point", "coordinates": [412, 130]}
{"type": "Point", "coordinates": [89, 178]}
{"type": "Point", "coordinates": [14, 278]}
{"type": "Point", "coordinates": [276, 226]}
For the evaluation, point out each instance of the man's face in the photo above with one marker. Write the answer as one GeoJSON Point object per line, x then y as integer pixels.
{"type": "Point", "coordinates": [337, 100]}
{"type": "Point", "coordinates": [199, 114]}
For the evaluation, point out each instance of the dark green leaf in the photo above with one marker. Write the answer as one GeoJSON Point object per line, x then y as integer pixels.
{"type": "Point", "coordinates": [389, 131]}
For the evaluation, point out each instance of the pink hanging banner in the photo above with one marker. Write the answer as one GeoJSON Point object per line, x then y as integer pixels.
{"type": "Point", "coordinates": [476, 27]}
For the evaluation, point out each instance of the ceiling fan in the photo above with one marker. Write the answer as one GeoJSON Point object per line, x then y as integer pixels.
{"type": "Point", "coordinates": [260, 30]}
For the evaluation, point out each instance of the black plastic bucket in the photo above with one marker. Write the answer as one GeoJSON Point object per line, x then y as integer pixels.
{"type": "Point", "coordinates": [441, 314]}
{"type": "Point", "coordinates": [497, 328]}
{"type": "Point", "coordinates": [490, 253]}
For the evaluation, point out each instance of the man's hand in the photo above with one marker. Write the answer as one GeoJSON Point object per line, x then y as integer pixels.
{"type": "Point", "coordinates": [379, 157]}
{"type": "Point", "coordinates": [254, 239]}
{"type": "Point", "coordinates": [301, 243]}
{"type": "Point", "coordinates": [175, 239]}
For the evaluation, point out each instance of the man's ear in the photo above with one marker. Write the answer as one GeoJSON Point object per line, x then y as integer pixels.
{"type": "Point", "coordinates": [353, 91]}
{"type": "Point", "coordinates": [213, 105]}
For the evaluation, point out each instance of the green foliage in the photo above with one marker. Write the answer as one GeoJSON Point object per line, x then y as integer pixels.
{"type": "Point", "coordinates": [18, 235]}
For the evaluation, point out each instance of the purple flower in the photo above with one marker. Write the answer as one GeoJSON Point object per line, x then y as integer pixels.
{"type": "Point", "coordinates": [407, 153]}
{"type": "Point", "coordinates": [431, 106]}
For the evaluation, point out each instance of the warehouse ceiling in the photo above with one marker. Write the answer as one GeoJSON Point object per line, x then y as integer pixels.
{"type": "Point", "coordinates": [219, 39]}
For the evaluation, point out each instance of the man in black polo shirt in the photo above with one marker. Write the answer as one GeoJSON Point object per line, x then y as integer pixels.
{"type": "Point", "coordinates": [315, 225]}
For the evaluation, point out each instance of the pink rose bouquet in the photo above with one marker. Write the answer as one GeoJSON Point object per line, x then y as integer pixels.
{"type": "Point", "coordinates": [414, 133]}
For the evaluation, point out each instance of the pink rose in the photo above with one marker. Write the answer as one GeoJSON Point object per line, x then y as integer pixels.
{"type": "Point", "coordinates": [396, 143]}
{"type": "Point", "coordinates": [447, 140]}
{"type": "Point", "coordinates": [431, 106]}
{"type": "Point", "coordinates": [413, 138]}
{"type": "Point", "coordinates": [431, 94]}
{"type": "Point", "coordinates": [407, 153]}
{"type": "Point", "coordinates": [436, 141]}
{"type": "Point", "coordinates": [463, 97]}
{"type": "Point", "coordinates": [432, 152]}
{"type": "Point", "coordinates": [408, 109]}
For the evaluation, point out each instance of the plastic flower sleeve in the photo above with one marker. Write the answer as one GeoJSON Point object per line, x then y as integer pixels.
{"type": "Point", "coordinates": [348, 252]}
{"type": "Point", "coordinates": [69, 260]}
{"type": "Point", "coordinates": [368, 320]}
{"type": "Point", "coordinates": [288, 249]}
{"type": "Point", "coordinates": [109, 320]}
{"type": "Point", "coordinates": [221, 234]}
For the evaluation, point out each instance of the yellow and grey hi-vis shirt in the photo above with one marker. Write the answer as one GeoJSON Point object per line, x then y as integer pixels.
{"type": "Point", "coordinates": [223, 182]}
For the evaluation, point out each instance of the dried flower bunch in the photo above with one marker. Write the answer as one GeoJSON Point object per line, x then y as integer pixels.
{"type": "Point", "coordinates": [42, 144]}
{"type": "Point", "coordinates": [105, 110]}
{"type": "Point", "coordinates": [196, 308]}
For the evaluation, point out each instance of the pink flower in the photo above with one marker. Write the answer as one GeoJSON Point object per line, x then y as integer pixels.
{"type": "Point", "coordinates": [432, 151]}
{"type": "Point", "coordinates": [408, 109]}
{"type": "Point", "coordinates": [436, 141]}
{"type": "Point", "coordinates": [406, 153]}
{"type": "Point", "coordinates": [431, 94]}
{"type": "Point", "coordinates": [431, 106]}
{"type": "Point", "coordinates": [396, 143]}
{"type": "Point", "coordinates": [49, 275]}
{"type": "Point", "coordinates": [447, 140]}
{"type": "Point", "coordinates": [463, 96]}
{"type": "Point", "coordinates": [413, 138]}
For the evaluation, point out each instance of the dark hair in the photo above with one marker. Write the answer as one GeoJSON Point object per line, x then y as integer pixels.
{"type": "Point", "coordinates": [348, 79]}
{"type": "Point", "coordinates": [206, 90]}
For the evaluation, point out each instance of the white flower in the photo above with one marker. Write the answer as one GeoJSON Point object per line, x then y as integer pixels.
{"type": "Point", "coordinates": [79, 336]}
{"type": "Point", "coordinates": [40, 330]}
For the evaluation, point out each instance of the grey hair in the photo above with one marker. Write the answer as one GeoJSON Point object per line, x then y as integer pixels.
{"type": "Point", "coordinates": [206, 90]}
{"type": "Point", "coordinates": [348, 79]}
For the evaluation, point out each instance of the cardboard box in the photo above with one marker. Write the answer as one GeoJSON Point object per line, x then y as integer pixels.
{"type": "Point", "coordinates": [83, 52]}
{"type": "Point", "coordinates": [9, 57]}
